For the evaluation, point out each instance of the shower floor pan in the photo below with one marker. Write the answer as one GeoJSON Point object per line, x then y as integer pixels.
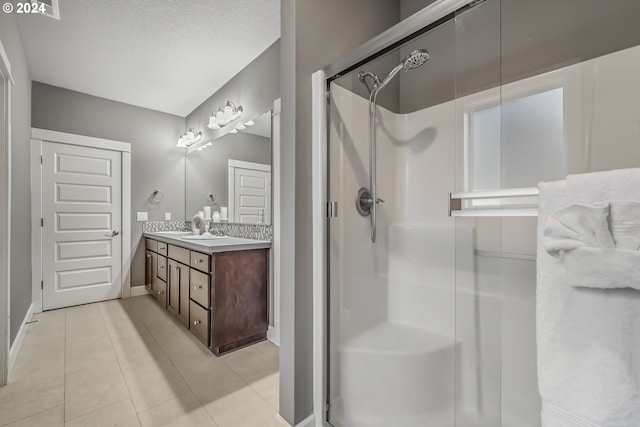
{"type": "Point", "coordinates": [396, 374]}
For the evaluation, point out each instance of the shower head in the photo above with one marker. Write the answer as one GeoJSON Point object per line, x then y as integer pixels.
{"type": "Point", "coordinates": [411, 62]}
{"type": "Point", "coordinates": [415, 59]}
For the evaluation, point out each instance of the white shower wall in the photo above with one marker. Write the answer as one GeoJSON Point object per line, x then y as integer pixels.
{"type": "Point", "coordinates": [469, 281]}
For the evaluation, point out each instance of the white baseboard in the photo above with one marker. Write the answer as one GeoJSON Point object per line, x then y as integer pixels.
{"type": "Point", "coordinates": [273, 335]}
{"type": "Point", "coordinates": [136, 291]}
{"type": "Point", "coordinates": [17, 343]}
{"type": "Point", "coordinates": [307, 422]}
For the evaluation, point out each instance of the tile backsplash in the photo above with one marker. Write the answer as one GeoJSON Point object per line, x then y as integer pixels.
{"type": "Point", "coordinates": [155, 226]}
{"type": "Point", "coordinates": [245, 231]}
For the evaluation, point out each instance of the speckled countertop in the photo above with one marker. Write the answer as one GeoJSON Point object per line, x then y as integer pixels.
{"type": "Point", "coordinates": [227, 244]}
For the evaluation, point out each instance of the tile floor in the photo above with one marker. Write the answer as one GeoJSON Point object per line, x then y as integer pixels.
{"type": "Point", "coordinates": [129, 363]}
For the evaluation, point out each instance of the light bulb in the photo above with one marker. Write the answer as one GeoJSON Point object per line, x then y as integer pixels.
{"type": "Point", "coordinates": [233, 131]}
{"type": "Point", "coordinates": [250, 123]}
{"type": "Point", "coordinates": [190, 135]}
{"type": "Point", "coordinates": [219, 116]}
{"type": "Point", "coordinates": [241, 126]}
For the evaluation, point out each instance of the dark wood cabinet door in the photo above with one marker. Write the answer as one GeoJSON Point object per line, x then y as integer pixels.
{"type": "Point", "coordinates": [239, 293]}
{"type": "Point", "coordinates": [178, 298]}
{"type": "Point", "coordinates": [150, 276]}
{"type": "Point", "coordinates": [161, 287]}
{"type": "Point", "coordinates": [183, 289]}
{"type": "Point", "coordinates": [173, 283]}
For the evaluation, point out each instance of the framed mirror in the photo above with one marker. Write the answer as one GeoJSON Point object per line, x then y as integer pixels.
{"type": "Point", "coordinates": [232, 174]}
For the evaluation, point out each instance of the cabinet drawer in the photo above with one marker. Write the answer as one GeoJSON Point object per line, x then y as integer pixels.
{"type": "Point", "coordinates": [162, 248]}
{"type": "Point", "coordinates": [179, 254]}
{"type": "Point", "coordinates": [151, 244]}
{"type": "Point", "coordinates": [200, 261]}
{"type": "Point", "coordinates": [199, 322]}
{"type": "Point", "coordinates": [200, 288]}
{"type": "Point", "coordinates": [162, 268]}
{"type": "Point", "coordinates": [162, 293]}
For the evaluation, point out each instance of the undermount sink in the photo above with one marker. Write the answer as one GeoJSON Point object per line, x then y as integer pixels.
{"type": "Point", "coordinates": [203, 237]}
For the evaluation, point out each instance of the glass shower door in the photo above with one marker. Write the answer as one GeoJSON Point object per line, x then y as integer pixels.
{"type": "Point", "coordinates": [392, 345]}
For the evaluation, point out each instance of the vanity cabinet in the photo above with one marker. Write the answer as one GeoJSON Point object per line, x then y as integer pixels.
{"type": "Point", "coordinates": [221, 297]}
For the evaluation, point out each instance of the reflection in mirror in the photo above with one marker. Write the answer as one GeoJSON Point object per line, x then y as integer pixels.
{"type": "Point", "coordinates": [207, 175]}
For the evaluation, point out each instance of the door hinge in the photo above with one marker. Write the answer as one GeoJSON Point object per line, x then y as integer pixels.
{"type": "Point", "coordinates": [42, 284]}
{"type": "Point", "coordinates": [41, 222]}
{"type": "Point", "coordinates": [332, 209]}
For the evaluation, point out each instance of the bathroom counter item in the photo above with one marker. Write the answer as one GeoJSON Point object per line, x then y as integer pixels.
{"type": "Point", "coordinates": [209, 246]}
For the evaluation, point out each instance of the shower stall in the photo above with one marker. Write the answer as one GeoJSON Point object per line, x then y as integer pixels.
{"type": "Point", "coordinates": [429, 143]}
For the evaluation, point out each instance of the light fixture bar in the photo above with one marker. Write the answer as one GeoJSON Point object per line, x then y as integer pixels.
{"type": "Point", "coordinates": [189, 138]}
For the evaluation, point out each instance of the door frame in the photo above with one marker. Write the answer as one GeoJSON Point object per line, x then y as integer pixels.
{"type": "Point", "coordinates": [240, 164]}
{"type": "Point", "coordinates": [38, 136]}
{"type": "Point", "coordinates": [5, 216]}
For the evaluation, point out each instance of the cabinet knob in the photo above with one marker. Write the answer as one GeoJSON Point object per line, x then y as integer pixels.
{"type": "Point", "coordinates": [197, 287]}
{"type": "Point", "coordinates": [148, 256]}
{"type": "Point", "coordinates": [160, 292]}
{"type": "Point", "coordinates": [162, 266]}
{"type": "Point", "coordinates": [176, 268]}
{"type": "Point", "coordinates": [196, 322]}
{"type": "Point", "coordinates": [197, 261]}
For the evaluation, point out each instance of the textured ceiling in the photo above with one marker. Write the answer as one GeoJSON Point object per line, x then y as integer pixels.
{"type": "Point", "coordinates": [166, 55]}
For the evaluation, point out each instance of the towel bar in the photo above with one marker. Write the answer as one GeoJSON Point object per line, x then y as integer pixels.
{"type": "Point", "coordinates": [457, 206]}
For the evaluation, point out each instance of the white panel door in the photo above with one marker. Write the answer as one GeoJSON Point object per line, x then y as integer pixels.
{"type": "Point", "coordinates": [81, 240]}
{"type": "Point", "coordinates": [252, 202]}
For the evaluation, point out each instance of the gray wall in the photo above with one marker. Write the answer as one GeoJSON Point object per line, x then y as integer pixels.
{"type": "Point", "coordinates": [207, 170]}
{"type": "Point", "coordinates": [314, 34]}
{"type": "Point", "coordinates": [156, 162]}
{"type": "Point", "coordinates": [499, 42]}
{"type": "Point", "coordinates": [20, 286]}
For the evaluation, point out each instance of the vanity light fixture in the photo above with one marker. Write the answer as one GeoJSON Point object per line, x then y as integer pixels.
{"type": "Point", "coordinates": [224, 115]}
{"type": "Point", "coordinates": [189, 138]}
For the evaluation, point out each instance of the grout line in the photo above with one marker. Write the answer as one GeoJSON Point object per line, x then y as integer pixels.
{"type": "Point", "coordinates": [36, 413]}
{"type": "Point", "coordinates": [96, 410]}
{"type": "Point", "coordinates": [202, 405]}
{"type": "Point", "coordinates": [119, 365]}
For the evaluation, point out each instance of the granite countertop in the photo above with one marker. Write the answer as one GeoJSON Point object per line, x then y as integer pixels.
{"type": "Point", "coordinates": [225, 244]}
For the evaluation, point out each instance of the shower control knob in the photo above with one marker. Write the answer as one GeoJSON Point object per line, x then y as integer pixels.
{"type": "Point", "coordinates": [379, 200]}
